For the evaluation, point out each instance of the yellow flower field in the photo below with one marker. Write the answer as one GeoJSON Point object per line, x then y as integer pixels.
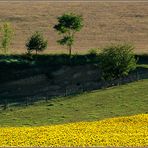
{"type": "Point", "coordinates": [123, 131]}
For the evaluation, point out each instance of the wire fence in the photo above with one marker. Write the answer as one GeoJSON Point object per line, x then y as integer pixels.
{"type": "Point", "coordinates": [5, 102]}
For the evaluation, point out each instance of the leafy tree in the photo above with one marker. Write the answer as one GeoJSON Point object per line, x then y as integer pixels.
{"type": "Point", "coordinates": [117, 61]}
{"type": "Point", "coordinates": [36, 42]}
{"type": "Point", "coordinates": [68, 25]}
{"type": "Point", "coordinates": [7, 32]}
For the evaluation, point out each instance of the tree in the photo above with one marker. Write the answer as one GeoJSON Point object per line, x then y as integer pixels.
{"type": "Point", "coordinates": [117, 61]}
{"type": "Point", "coordinates": [36, 42]}
{"type": "Point", "coordinates": [7, 32]}
{"type": "Point", "coordinates": [68, 25]}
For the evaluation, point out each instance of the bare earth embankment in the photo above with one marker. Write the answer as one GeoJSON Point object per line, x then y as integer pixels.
{"type": "Point", "coordinates": [105, 22]}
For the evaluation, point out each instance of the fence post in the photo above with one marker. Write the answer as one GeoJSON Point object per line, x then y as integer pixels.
{"type": "Point", "coordinates": [137, 75]}
{"type": "Point", "coordinates": [82, 89]}
{"type": "Point", "coordinates": [27, 101]}
{"type": "Point", "coordinates": [46, 98]}
{"type": "Point", "coordinates": [66, 92]}
{"type": "Point", "coordinates": [5, 104]}
{"type": "Point", "coordinates": [119, 81]}
{"type": "Point", "coordinates": [104, 84]}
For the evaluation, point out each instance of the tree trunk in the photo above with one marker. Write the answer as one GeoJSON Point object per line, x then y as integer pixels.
{"type": "Point", "coordinates": [70, 48]}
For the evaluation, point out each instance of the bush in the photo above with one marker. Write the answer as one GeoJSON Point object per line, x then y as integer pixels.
{"type": "Point", "coordinates": [92, 55]}
{"type": "Point", "coordinates": [92, 52]}
{"type": "Point", "coordinates": [117, 61]}
{"type": "Point", "coordinates": [36, 42]}
{"type": "Point", "coordinates": [7, 33]}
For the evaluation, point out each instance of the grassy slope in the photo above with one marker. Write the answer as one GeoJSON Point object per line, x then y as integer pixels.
{"type": "Point", "coordinates": [118, 101]}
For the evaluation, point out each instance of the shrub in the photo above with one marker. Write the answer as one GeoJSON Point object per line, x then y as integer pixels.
{"type": "Point", "coordinates": [78, 59]}
{"type": "Point", "coordinates": [92, 53]}
{"type": "Point", "coordinates": [36, 42]}
{"type": "Point", "coordinates": [117, 61]}
{"type": "Point", "coordinates": [7, 33]}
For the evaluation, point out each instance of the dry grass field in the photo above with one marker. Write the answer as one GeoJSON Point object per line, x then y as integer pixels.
{"type": "Point", "coordinates": [105, 23]}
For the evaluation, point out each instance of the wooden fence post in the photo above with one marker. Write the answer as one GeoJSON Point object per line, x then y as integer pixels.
{"type": "Point", "coordinates": [5, 104]}
{"type": "Point", "coordinates": [137, 75]}
{"type": "Point", "coordinates": [27, 101]}
{"type": "Point", "coordinates": [66, 92]}
{"type": "Point", "coordinates": [46, 98]}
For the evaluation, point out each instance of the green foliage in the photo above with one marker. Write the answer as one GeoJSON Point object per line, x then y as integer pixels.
{"type": "Point", "coordinates": [66, 40]}
{"type": "Point", "coordinates": [36, 42]}
{"type": "Point", "coordinates": [68, 25]}
{"type": "Point", "coordinates": [117, 61]}
{"type": "Point", "coordinates": [92, 52]}
{"type": "Point", "coordinates": [69, 22]}
{"type": "Point", "coordinates": [7, 32]}
{"type": "Point", "coordinates": [12, 64]}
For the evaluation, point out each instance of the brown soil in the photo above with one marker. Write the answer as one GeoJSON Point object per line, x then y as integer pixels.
{"type": "Point", "coordinates": [104, 23]}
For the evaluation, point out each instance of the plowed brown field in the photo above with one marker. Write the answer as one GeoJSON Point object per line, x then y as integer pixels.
{"type": "Point", "coordinates": [104, 23]}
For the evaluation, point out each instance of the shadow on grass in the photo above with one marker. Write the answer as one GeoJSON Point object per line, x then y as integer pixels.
{"type": "Point", "coordinates": [15, 67]}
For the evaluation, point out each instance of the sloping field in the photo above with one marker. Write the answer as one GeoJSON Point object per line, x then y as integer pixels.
{"type": "Point", "coordinates": [123, 131]}
{"type": "Point", "coordinates": [118, 101]}
{"type": "Point", "coordinates": [105, 22]}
